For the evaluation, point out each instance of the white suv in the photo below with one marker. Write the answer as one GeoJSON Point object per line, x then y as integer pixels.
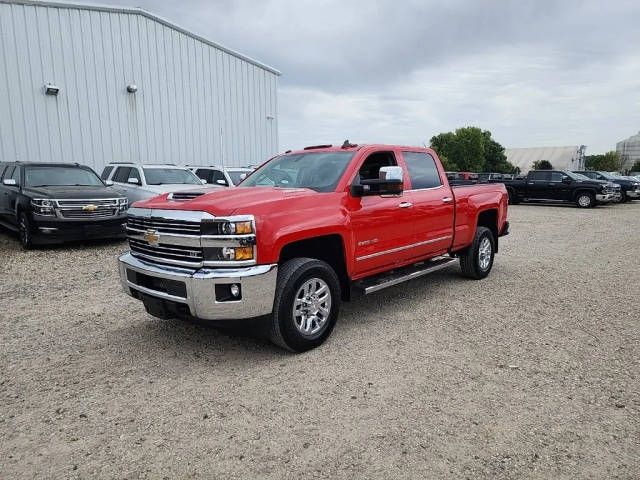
{"type": "Point", "coordinates": [139, 182]}
{"type": "Point", "coordinates": [224, 176]}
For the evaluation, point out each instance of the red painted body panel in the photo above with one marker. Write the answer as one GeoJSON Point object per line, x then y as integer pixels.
{"type": "Point", "coordinates": [402, 235]}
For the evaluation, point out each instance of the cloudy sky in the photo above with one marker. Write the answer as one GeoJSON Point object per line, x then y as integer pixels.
{"type": "Point", "coordinates": [534, 73]}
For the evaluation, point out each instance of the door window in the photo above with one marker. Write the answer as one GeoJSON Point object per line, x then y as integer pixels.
{"type": "Point", "coordinates": [370, 169]}
{"type": "Point", "coordinates": [122, 174]}
{"type": "Point", "coordinates": [16, 174]}
{"type": "Point", "coordinates": [8, 172]}
{"type": "Point", "coordinates": [106, 172]}
{"type": "Point", "coordinates": [557, 176]}
{"type": "Point", "coordinates": [540, 176]}
{"type": "Point", "coordinates": [218, 175]}
{"type": "Point", "coordinates": [204, 174]}
{"type": "Point", "coordinates": [422, 170]}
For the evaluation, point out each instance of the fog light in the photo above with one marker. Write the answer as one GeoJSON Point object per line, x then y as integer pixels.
{"type": "Point", "coordinates": [235, 290]}
{"type": "Point", "coordinates": [228, 253]}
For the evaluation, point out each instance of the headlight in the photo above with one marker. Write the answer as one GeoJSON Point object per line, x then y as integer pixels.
{"type": "Point", "coordinates": [123, 204]}
{"type": "Point", "coordinates": [227, 228]}
{"type": "Point", "coordinates": [43, 206]}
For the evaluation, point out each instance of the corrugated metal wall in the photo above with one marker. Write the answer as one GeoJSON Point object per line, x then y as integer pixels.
{"type": "Point", "coordinates": [196, 103]}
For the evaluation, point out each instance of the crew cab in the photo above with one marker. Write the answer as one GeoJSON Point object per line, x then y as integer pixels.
{"type": "Point", "coordinates": [558, 186]}
{"type": "Point", "coordinates": [306, 230]}
{"type": "Point", "coordinates": [138, 182]}
{"type": "Point", "coordinates": [57, 202]}
{"type": "Point", "coordinates": [630, 189]}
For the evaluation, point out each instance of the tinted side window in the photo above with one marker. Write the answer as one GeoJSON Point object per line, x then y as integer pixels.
{"type": "Point", "coordinates": [540, 176]}
{"type": "Point", "coordinates": [218, 175]}
{"type": "Point", "coordinates": [556, 176]}
{"type": "Point", "coordinates": [16, 174]}
{"type": "Point", "coordinates": [204, 174]}
{"type": "Point", "coordinates": [422, 170]}
{"type": "Point", "coordinates": [106, 172]}
{"type": "Point", "coordinates": [2, 167]}
{"type": "Point", "coordinates": [8, 172]}
{"type": "Point", "coordinates": [370, 169]}
{"type": "Point", "coordinates": [122, 174]}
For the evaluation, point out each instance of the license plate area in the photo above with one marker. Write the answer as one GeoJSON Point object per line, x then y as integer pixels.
{"type": "Point", "coordinates": [175, 288]}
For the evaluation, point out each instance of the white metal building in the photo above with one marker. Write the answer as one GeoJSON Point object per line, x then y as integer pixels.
{"type": "Point", "coordinates": [130, 87]}
{"type": "Point", "coordinates": [562, 158]}
{"type": "Point", "coordinates": [630, 150]}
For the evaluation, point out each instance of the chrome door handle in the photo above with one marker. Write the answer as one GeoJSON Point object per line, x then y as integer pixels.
{"type": "Point", "coordinates": [405, 205]}
{"type": "Point", "coordinates": [447, 199]}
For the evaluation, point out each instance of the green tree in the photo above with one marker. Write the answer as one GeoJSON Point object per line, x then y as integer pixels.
{"type": "Point", "coordinates": [542, 165]}
{"type": "Point", "coordinates": [471, 149]}
{"type": "Point", "coordinates": [606, 162]}
{"type": "Point", "coordinates": [447, 164]}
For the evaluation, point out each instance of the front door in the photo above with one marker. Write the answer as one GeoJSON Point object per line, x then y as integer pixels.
{"type": "Point", "coordinates": [557, 189]}
{"type": "Point", "coordinates": [382, 225]}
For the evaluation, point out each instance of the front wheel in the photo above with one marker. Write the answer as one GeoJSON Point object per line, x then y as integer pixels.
{"type": "Point", "coordinates": [306, 306]}
{"type": "Point", "coordinates": [585, 200]}
{"type": "Point", "coordinates": [24, 231]}
{"type": "Point", "coordinates": [476, 260]}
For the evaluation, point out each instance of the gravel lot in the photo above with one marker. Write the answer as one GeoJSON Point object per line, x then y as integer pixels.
{"type": "Point", "coordinates": [531, 373]}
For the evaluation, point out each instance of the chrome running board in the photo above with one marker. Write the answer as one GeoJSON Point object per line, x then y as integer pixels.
{"type": "Point", "coordinates": [402, 274]}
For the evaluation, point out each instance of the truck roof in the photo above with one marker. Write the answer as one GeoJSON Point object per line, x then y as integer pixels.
{"type": "Point", "coordinates": [350, 147]}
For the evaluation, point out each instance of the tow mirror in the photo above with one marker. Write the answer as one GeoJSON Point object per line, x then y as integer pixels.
{"type": "Point", "coordinates": [10, 182]}
{"type": "Point", "coordinates": [203, 181]}
{"type": "Point", "coordinates": [390, 182]}
{"type": "Point", "coordinates": [133, 180]}
{"type": "Point", "coordinates": [222, 182]}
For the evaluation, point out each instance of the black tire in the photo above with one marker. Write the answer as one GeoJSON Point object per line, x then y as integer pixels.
{"type": "Point", "coordinates": [292, 276]}
{"type": "Point", "coordinates": [470, 262]}
{"type": "Point", "coordinates": [513, 198]}
{"type": "Point", "coordinates": [585, 200]}
{"type": "Point", "coordinates": [624, 198]}
{"type": "Point", "coordinates": [25, 232]}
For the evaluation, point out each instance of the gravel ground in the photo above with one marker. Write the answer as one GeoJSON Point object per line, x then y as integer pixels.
{"type": "Point", "coordinates": [531, 373]}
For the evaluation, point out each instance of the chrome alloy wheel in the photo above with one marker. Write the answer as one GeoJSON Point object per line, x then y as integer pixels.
{"type": "Point", "coordinates": [484, 253]}
{"type": "Point", "coordinates": [312, 306]}
{"type": "Point", "coordinates": [584, 201]}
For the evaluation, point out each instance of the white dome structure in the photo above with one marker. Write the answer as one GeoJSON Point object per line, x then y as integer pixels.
{"type": "Point", "coordinates": [630, 150]}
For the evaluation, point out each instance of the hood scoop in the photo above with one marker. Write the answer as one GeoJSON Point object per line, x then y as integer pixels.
{"type": "Point", "coordinates": [184, 196]}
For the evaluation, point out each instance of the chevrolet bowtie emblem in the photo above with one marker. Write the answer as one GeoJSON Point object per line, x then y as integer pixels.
{"type": "Point", "coordinates": [90, 208]}
{"type": "Point", "coordinates": [152, 237]}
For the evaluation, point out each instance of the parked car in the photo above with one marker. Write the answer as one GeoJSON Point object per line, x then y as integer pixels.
{"type": "Point", "coordinates": [617, 192]}
{"type": "Point", "coordinates": [57, 202]}
{"type": "Point", "coordinates": [139, 182]}
{"type": "Point", "coordinates": [224, 176]}
{"type": "Point", "coordinates": [304, 231]}
{"type": "Point", "coordinates": [558, 186]}
{"type": "Point", "coordinates": [462, 178]}
{"type": "Point", "coordinates": [630, 189]}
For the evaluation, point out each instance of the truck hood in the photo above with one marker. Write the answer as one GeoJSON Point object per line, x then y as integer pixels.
{"type": "Point", "coordinates": [177, 187]}
{"type": "Point", "coordinates": [229, 201]}
{"type": "Point", "coordinates": [80, 192]}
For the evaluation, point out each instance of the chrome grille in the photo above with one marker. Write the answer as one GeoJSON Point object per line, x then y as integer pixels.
{"type": "Point", "coordinates": [87, 208]}
{"type": "Point", "coordinates": [163, 225]}
{"type": "Point", "coordinates": [167, 253]}
{"type": "Point", "coordinates": [100, 213]}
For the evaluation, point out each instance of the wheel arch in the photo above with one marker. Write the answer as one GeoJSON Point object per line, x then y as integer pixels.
{"type": "Point", "coordinates": [489, 218]}
{"type": "Point", "coordinates": [328, 248]}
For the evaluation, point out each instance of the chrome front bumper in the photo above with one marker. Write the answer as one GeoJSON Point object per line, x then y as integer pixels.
{"type": "Point", "coordinates": [633, 193]}
{"type": "Point", "coordinates": [257, 286]}
{"type": "Point", "coordinates": [604, 197]}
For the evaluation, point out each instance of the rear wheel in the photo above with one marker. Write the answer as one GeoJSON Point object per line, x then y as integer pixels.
{"type": "Point", "coordinates": [476, 260]}
{"type": "Point", "coordinates": [306, 306]}
{"type": "Point", "coordinates": [24, 231]}
{"type": "Point", "coordinates": [585, 200]}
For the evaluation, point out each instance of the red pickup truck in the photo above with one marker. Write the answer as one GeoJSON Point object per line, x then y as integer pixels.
{"type": "Point", "coordinates": [304, 231]}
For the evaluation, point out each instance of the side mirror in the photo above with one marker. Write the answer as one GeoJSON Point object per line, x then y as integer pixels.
{"type": "Point", "coordinates": [108, 183]}
{"type": "Point", "coordinates": [10, 182]}
{"type": "Point", "coordinates": [243, 176]}
{"type": "Point", "coordinates": [222, 182]}
{"type": "Point", "coordinates": [133, 181]}
{"type": "Point", "coordinates": [566, 180]}
{"type": "Point", "coordinates": [390, 182]}
{"type": "Point", "coordinates": [203, 181]}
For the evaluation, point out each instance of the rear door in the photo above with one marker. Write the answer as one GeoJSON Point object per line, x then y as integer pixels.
{"type": "Point", "coordinates": [432, 206]}
{"type": "Point", "coordinates": [537, 184]}
{"type": "Point", "coordinates": [382, 225]}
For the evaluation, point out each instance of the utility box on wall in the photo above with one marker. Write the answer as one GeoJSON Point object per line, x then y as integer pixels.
{"type": "Point", "coordinates": [93, 84]}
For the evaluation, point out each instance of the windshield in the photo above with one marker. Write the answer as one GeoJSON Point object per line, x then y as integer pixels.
{"type": "Point", "coordinates": [319, 171]}
{"type": "Point", "coordinates": [161, 176]}
{"type": "Point", "coordinates": [236, 175]}
{"type": "Point", "coordinates": [60, 176]}
{"type": "Point", "coordinates": [575, 176]}
{"type": "Point", "coordinates": [607, 175]}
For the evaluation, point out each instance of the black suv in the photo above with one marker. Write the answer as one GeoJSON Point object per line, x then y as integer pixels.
{"type": "Point", "coordinates": [630, 189]}
{"type": "Point", "coordinates": [56, 202]}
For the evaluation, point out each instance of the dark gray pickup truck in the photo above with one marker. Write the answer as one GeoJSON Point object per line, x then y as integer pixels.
{"type": "Point", "coordinates": [558, 186]}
